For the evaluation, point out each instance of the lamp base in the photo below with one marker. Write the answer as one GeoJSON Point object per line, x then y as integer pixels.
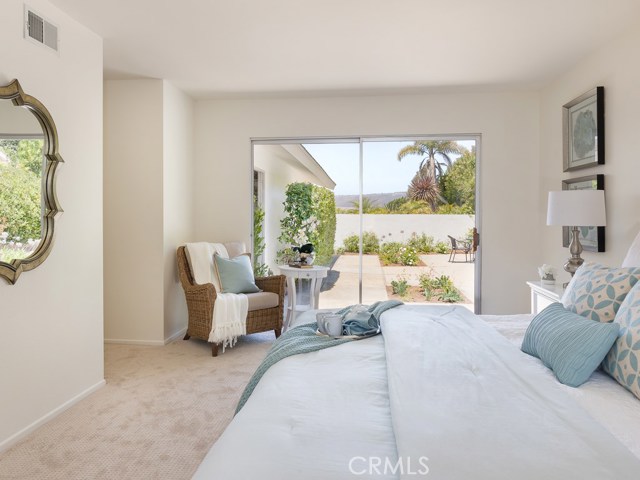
{"type": "Point", "coordinates": [575, 261]}
{"type": "Point", "coordinates": [573, 264]}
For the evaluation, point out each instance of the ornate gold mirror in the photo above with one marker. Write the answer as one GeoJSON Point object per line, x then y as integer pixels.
{"type": "Point", "coordinates": [28, 162]}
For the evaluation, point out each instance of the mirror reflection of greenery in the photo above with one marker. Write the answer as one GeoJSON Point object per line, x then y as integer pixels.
{"type": "Point", "coordinates": [21, 163]}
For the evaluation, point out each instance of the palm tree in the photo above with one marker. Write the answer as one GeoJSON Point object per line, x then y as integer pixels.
{"type": "Point", "coordinates": [367, 204]}
{"type": "Point", "coordinates": [429, 150]}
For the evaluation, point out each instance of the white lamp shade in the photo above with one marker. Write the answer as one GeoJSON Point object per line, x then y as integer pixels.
{"type": "Point", "coordinates": [577, 208]}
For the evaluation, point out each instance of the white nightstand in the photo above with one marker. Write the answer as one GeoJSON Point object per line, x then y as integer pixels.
{"type": "Point", "coordinates": [544, 295]}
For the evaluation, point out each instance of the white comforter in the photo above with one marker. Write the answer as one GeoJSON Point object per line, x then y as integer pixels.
{"type": "Point", "coordinates": [443, 391]}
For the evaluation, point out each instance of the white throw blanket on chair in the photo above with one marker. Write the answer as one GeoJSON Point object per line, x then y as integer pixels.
{"type": "Point", "coordinates": [229, 319]}
{"type": "Point", "coordinates": [229, 310]}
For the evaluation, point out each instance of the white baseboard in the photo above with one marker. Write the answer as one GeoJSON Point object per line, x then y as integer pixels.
{"type": "Point", "coordinates": [13, 439]}
{"type": "Point", "coordinates": [176, 336]}
{"type": "Point", "coordinates": [125, 341]}
{"type": "Point", "coordinates": [154, 343]}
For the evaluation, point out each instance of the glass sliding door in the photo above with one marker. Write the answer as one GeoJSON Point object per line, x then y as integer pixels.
{"type": "Point", "coordinates": [403, 220]}
{"type": "Point", "coordinates": [418, 202]}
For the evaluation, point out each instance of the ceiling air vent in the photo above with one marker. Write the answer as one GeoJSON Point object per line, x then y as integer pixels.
{"type": "Point", "coordinates": [39, 30]}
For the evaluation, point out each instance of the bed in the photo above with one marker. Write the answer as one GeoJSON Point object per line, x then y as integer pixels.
{"type": "Point", "coordinates": [399, 405]}
{"type": "Point", "coordinates": [443, 394]}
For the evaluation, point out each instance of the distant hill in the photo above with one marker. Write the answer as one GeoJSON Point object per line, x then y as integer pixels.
{"type": "Point", "coordinates": [378, 199]}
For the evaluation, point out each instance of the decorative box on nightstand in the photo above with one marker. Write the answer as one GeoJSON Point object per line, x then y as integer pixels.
{"type": "Point", "coordinates": [544, 295]}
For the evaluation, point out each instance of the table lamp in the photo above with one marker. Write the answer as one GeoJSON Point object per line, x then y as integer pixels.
{"type": "Point", "coordinates": [576, 208]}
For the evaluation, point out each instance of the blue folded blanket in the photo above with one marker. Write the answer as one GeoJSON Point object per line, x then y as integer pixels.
{"type": "Point", "coordinates": [303, 339]}
{"type": "Point", "coordinates": [364, 321]}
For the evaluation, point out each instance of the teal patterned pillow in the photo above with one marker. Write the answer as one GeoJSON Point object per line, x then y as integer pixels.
{"type": "Point", "coordinates": [596, 292]}
{"type": "Point", "coordinates": [622, 361]}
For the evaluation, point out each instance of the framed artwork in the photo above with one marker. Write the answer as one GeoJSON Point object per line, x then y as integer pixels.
{"type": "Point", "coordinates": [583, 130]}
{"type": "Point", "coordinates": [591, 238]}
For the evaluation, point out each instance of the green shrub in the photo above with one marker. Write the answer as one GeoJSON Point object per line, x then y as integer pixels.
{"type": "Point", "coordinates": [390, 252]}
{"type": "Point", "coordinates": [310, 217]}
{"type": "Point", "coordinates": [441, 286]}
{"type": "Point", "coordinates": [399, 254]}
{"type": "Point", "coordinates": [351, 244]}
{"type": "Point", "coordinates": [400, 287]}
{"type": "Point", "coordinates": [458, 184]}
{"type": "Point", "coordinates": [414, 207]}
{"type": "Point", "coordinates": [443, 282]}
{"type": "Point", "coordinates": [324, 206]}
{"type": "Point", "coordinates": [421, 243]}
{"type": "Point", "coordinates": [370, 243]}
{"type": "Point", "coordinates": [450, 296]}
{"type": "Point", "coordinates": [20, 209]}
{"type": "Point", "coordinates": [259, 269]}
{"type": "Point", "coordinates": [448, 209]}
{"type": "Point", "coordinates": [442, 247]}
{"type": "Point", "coordinates": [394, 205]}
{"type": "Point", "coordinates": [425, 281]}
{"type": "Point", "coordinates": [426, 285]}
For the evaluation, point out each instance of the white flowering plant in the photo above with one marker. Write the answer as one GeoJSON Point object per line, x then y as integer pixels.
{"type": "Point", "coordinates": [547, 272]}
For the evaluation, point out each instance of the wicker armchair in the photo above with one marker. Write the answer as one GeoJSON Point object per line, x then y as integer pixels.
{"type": "Point", "coordinates": [201, 298]}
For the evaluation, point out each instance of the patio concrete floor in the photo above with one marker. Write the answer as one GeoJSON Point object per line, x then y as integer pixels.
{"type": "Point", "coordinates": [375, 278]}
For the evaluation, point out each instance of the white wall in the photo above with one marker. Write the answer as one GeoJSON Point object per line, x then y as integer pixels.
{"type": "Point", "coordinates": [280, 169]}
{"type": "Point", "coordinates": [178, 200]}
{"type": "Point", "coordinates": [148, 208]}
{"type": "Point", "coordinates": [133, 228]}
{"type": "Point", "coordinates": [509, 201]}
{"type": "Point", "coordinates": [51, 348]}
{"type": "Point", "coordinates": [614, 67]}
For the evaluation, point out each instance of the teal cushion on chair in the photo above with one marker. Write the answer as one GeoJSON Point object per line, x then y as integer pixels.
{"type": "Point", "coordinates": [235, 274]}
{"type": "Point", "coordinates": [569, 344]}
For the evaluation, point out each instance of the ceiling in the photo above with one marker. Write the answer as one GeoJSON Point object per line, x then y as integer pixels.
{"type": "Point", "coordinates": [213, 48]}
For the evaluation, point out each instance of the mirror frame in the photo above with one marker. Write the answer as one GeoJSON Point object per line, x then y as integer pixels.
{"type": "Point", "coordinates": [51, 208]}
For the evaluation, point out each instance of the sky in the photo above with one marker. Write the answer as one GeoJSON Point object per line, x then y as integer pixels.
{"type": "Point", "coordinates": [383, 173]}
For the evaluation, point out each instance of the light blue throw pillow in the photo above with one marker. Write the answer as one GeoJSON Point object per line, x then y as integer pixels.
{"type": "Point", "coordinates": [569, 344]}
{"type": "Point", "coordinates": [235, 274]}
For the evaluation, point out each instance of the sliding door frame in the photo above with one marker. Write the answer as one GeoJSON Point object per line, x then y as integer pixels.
{"type": "Point", "coordinates": [361, 140]}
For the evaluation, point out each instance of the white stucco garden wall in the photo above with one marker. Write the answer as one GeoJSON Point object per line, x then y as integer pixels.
{"type": "Point", "coordinates": [398, 228]}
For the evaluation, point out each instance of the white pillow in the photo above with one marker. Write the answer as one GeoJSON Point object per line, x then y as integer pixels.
{"type": "Point", "coordinates": [633, 255]}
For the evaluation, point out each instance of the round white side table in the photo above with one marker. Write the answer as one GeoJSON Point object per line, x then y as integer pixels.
{"type": "Point", "coordinates": [315, 274]}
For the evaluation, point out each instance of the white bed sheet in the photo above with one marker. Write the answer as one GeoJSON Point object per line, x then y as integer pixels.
{"type": "Point", "coordinates": [260, 426]}
{"type": "Point", "coordinates": [279, 438]}
{"type": "Point", "coordinates": [455, 381]}
{"type": "Point", "coordinates": [612, 405]}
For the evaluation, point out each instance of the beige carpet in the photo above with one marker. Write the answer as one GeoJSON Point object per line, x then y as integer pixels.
{"type": "Point", "coordinates": [158, 415]}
